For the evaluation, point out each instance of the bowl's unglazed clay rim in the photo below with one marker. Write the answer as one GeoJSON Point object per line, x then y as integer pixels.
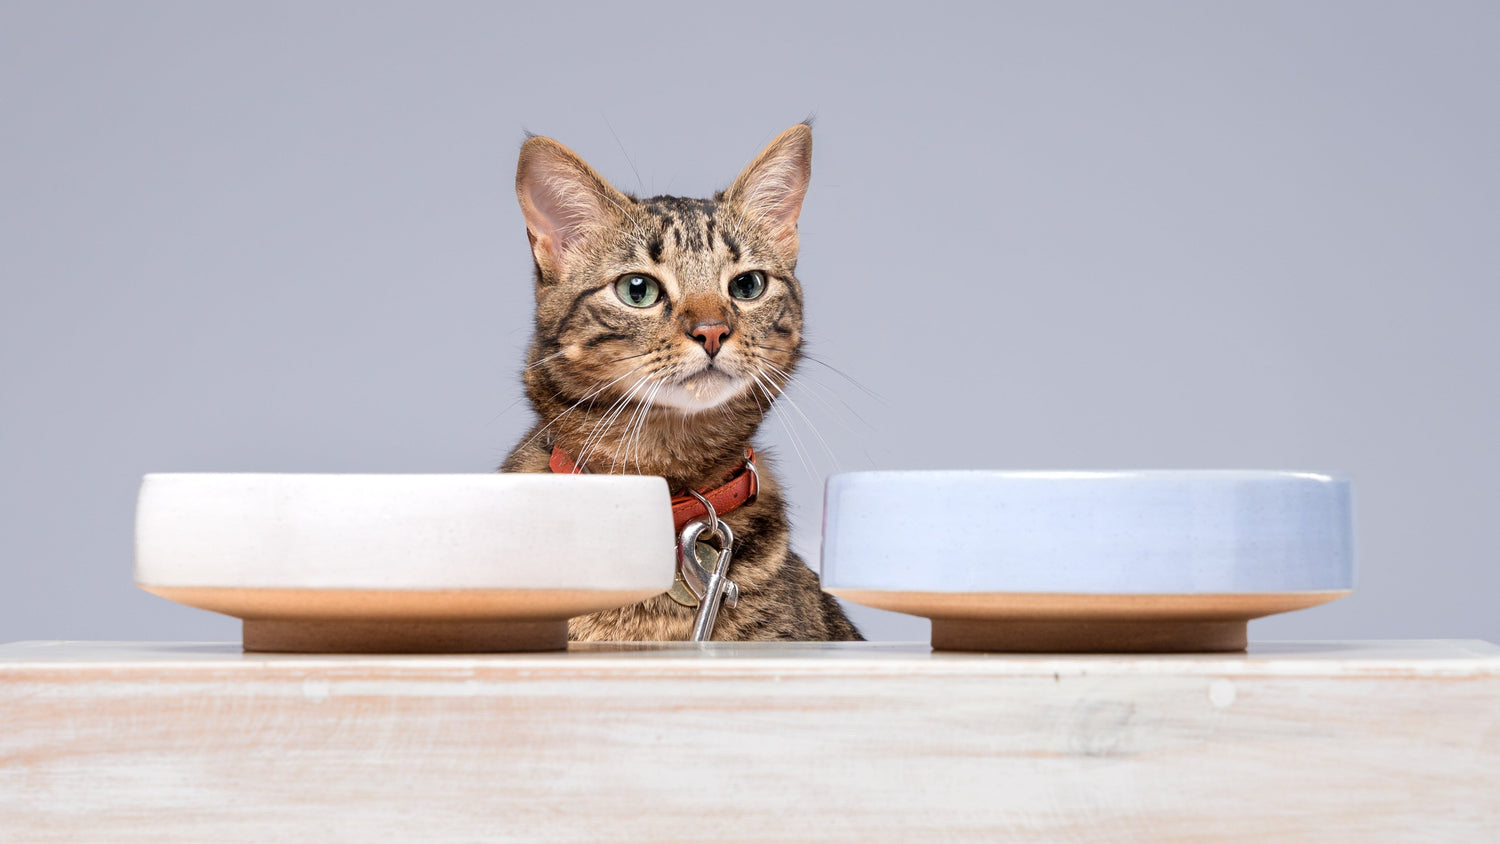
{"type": "Point", "coordinates": [398, 604]}
{"type": "Point", "coordinates": [1082, 605]}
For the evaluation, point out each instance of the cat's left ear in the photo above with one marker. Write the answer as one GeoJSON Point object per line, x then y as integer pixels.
{"type": "Point", "coordinates": [772, 187]}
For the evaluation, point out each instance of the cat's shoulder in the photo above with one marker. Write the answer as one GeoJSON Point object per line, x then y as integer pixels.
{"type": "Point", "coordinates": [528, 457]}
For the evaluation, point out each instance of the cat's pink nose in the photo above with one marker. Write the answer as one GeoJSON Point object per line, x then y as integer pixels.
{"type": "Point", "coordinates": [711, 335]}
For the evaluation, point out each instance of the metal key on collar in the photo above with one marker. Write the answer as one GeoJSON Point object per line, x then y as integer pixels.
{"type": "Point", "coordinates": [709, 586]}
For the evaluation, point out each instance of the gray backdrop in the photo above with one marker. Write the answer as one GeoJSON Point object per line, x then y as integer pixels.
{"type": "Point", "coordinates": [283, 237]}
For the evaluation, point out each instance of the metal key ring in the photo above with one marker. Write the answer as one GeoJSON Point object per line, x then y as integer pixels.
{"type": "Point", "coordinates": [754, 479]}
{"type": "Point", "coordinates": [713, 515]}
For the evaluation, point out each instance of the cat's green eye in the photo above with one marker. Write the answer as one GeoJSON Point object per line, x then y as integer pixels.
{"type": "Point", "coordinates": [747, 286]}
{"type": "Point", "coordinates": [638, 291]}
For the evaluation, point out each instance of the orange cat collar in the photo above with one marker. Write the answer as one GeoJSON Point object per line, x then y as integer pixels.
{"type": "Point", "coordinates": [739, 491]}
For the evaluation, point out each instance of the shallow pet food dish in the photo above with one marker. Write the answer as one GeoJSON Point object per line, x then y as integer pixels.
{"type": "Point", "coordinates": [1088, 561]}
{"type": "Point", "coordinates": [404, 563]}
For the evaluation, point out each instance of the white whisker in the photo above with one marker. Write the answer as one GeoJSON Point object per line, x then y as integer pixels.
{"type": "Point", "coordinates": [796, 441]}
{"type": "Point", "coordinates": [807, 382]}
{"type": "Point", "coordinates": [556, 354]}
{"type": "Point", "coordinates": [608, 422]}
{"type": "Point", "coordinates": [575, 405]}
{"type": "Point", "coordinates": [641, 427]}
{"type": "Point", "coordinates": [597, 429]}
{"type": "Point", "coordinates": [811, 427]}
{"type": "Point", "coordinates": [621, 452]}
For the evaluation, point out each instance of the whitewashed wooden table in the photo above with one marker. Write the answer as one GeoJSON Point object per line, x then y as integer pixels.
{"type": "Point", "coordinates": [1335, 741]}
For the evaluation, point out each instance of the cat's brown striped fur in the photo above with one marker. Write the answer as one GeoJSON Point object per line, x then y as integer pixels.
{"type": "Point", "coordinates": [625, 389]}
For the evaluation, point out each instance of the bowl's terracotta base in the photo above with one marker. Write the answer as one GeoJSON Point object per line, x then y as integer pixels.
{"type": "Point", "coordinates": [1088, 636]}
{"type": "Point", "coordinates": [351, 636]}
{"type": "Point", "coordinates": [1065, 622]}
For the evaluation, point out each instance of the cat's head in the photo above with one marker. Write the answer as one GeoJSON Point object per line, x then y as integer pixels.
{"type": "Point", "coordinates": [689, 304]}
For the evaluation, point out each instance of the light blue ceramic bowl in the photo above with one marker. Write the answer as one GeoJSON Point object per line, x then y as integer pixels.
{"type": "Point", "coordinates": [1071, 548]}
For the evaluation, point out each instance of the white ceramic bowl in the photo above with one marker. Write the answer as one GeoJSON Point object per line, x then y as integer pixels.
{"type": "Point", "coordinates": [1056, 561]}
{"type": "Point", "coordinates": [404, 563]}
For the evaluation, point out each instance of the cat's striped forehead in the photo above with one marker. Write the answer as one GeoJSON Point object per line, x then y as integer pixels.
{"type": "Point", "coordinates": [676, 226]}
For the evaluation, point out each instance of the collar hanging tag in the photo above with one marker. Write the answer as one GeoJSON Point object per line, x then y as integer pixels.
{"type": "Point", "coordinates": [711, 586]}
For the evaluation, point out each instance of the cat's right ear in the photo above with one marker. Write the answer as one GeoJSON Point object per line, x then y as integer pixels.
{"type": "Point", "coordinates": [562, 199]}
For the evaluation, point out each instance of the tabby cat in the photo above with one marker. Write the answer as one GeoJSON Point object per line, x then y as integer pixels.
{"type": "Point", "coordinates": [665, 327]}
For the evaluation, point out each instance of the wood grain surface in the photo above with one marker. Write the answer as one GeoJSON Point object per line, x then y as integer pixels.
{"type": "Point", "coordinates": [1393, 741]}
